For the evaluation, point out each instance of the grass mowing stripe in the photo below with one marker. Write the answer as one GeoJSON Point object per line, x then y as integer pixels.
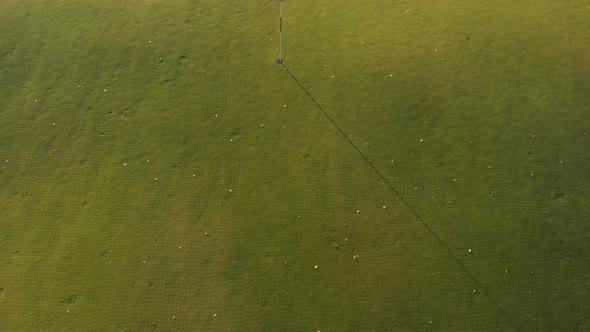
{"type": "Point", "coordinates": [396, 193]}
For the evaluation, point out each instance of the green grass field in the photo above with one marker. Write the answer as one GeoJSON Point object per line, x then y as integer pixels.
{"type": "Point", "coordinates": [160, 171]}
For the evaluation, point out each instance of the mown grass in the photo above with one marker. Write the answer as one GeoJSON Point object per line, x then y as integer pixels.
{"type": "Point", "coordinates": [153, 179]}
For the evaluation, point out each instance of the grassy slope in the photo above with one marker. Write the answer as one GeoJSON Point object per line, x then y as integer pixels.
{"type": "Point", "coordinates": [79, 224]}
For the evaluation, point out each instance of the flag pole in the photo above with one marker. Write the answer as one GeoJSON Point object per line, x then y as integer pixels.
{"type": "Point", "coordinates": [280, 60]}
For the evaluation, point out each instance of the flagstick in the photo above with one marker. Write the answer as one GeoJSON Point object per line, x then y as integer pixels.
{"type": "Point", "coordinates": [280, 60]}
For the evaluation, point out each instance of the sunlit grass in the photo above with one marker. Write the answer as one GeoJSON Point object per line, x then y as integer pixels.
{"type": "Point", "coordinates": [159, 170]}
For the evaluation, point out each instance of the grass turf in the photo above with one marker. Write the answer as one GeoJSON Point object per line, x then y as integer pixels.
{"type": "Point", "coordinates": [130, 130]}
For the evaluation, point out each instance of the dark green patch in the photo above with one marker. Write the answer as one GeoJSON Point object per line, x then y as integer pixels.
{"type": "Point", "coordinates": [71, 299]}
